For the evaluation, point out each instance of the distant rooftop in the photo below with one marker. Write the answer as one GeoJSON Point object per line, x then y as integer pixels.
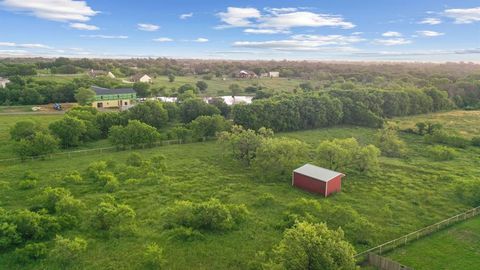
{"type": "Point", "coordinates": [106, 91]}
{"type": "Point", "coordinates": [318, 173]}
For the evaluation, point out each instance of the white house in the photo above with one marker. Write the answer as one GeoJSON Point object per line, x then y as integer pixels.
{"type": "Point", "coordinates": [3, 82]}
{"type": "Point", "coordinates": [142, 78]}
{"type": "Point", "coordinates": [271, 74]}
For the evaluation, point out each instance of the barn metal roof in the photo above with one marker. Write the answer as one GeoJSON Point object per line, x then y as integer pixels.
{"type": "Point", "coordinates": [318, 173]}
{"type": "Point", "coordinates": [106, 91]}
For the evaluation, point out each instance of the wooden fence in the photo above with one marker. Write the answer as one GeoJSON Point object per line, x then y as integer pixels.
{"type": "Point", "coordinates": [383, 263]}
{"type": "Point", "coordinates": [390, 245]}
{"type": "Point", "coordinates": [70, 154]}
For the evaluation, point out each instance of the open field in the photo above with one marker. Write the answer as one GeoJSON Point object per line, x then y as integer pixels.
{"type": "Point", "coordinates": [465, 123]}
{"type": "Point", "coordinates": [457, 247]}
{"type": "Point", "coordinates": [404, 195]}
{"type": "Point", "coordinates": [217, 86]}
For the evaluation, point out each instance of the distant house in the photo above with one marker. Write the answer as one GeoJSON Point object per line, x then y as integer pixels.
{"type": "Point", "coordinates": [95, 73]}
{"type": "Point", "coordinates": [141, 78]}
{"type": "Point", "coordinates": [122, 98]}
{"type": "Point", "coordinates": [246, 74]}
{"type": "Point", "coordinates": [271, 74]}
{"type": "Point", "coordinates": [317, 180]}
{"type": "Point", "coordinates": [3, 82]}
{"type": "Point", "coordinates": [111, 75]}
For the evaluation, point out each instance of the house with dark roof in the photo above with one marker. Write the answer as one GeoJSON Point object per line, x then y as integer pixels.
{"type": "Point", "coordinates": [317, 179]}
{"type": "Point", "coordinates": [122, 98]}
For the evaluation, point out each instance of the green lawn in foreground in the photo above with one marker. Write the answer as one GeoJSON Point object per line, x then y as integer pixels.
{"type": "Point", "coordinates": [405, 195]}
{"type": "Point", "coordinates": [457, 247]}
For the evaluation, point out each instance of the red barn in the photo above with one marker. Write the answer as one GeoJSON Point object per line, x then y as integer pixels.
{"type": "Point", "coordinates": [317, 180]}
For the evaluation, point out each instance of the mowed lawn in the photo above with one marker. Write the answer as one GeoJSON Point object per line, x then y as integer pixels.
{"type": "Point", "coordinates": [455, 248]}
{"type": "Point", "coordinates": [404, 195]}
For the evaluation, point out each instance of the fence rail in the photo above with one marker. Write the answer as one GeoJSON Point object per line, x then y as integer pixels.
{"type": "Point", "coordinates": [403, 240]}
{"type": "Point", "coordinates": [70, 154]}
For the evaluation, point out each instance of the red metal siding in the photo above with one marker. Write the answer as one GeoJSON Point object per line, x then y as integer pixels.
{"type": "Point", "coordinates": [317, 186]}
{"type": "Point", "coordinates": [309, 184]}
{"type": "Point", "coordinates": [334, 185]}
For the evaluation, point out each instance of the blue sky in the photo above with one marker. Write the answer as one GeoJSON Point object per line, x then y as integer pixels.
{"type": "Point", "coordinates": [368, 30]}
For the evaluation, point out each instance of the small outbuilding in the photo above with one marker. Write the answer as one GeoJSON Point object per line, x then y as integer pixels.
{"type": "Point", "coordinates": [317, 180]}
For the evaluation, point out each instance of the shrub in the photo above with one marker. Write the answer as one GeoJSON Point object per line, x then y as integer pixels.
{"type": "Point", "coordinates": [476, 141]}
{"type": "Point", "coordinates": [185, 234]}
{"type": "Point", "coordinates": [39, 144]}
{"type": "Point", "coordinates": [135, 160]}
{"type": "Point", "coordinates": [469, 192]}
{"type": "Point", "coordinates": [69, 130]}
{"type": "Point", "coordinates": [73, 177]}
{"type": "Point", "coordinates": [153, 257]}
{"type": "Point", "coordinates": [8, 230]}
{"type": "Point", "coordinates": [442, 153]}
{"type": "Point", "coordinates": [95, 170]}
{"type": "Point", "coordinates": [27, 184]}
{"type": "Point", "coordinates": [112, 216]}
{"type": "Point", "coordinates": [265, 199]}
{"type": "Point", "coordinates": [443, 137]}
{"type": "Point", "coordinates": [23, 130]}
{"type": "Point", "coordinates": [34, 226]}
{"type": "Point", "coordinates": [314, 246]}
{"type": "Point", "coordinates": [31, 252]}
{"type": "Point", "coordinates": [276, 158]}
{"type": "Point", "coordinates": [211, 215]}
{"type": "Point", "coordinates": [111, 184]}
{"type": "Point", "coordinates": [389, 142]}
{"type": "Point", "coordinates": [66, 251]}
{"type": "Point", "coordinates": [135, 134]}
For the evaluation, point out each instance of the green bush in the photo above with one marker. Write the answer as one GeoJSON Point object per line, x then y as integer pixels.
{"type": "Point", "coordinates": [476, 141]}
{"type": "Point", "coordinates": [31, 252]}
{"type": "Point", "coordinates": [443, 137]}
{"type": "Point", "coordinates": [112, 216]}
{"type": "Point", "coordinates": [185, 234]}
{"type": "Point", "coordinates": [95, 170]}
{"type": "Point", "coordinates": [34, 226]}
{"type": "Point", "coordinates": [73, 177]}
{"type": "Point", "coordinates": [111, 184]}
{"type": "Point", "coordinates": [153, 257]}
{"type": "Point", "coordinates": [24, 130]}
{"type": "Point", "coordinates": [135, 160]}
{"type": "Point", "coordinates": [211, 215]}
{"type": "Point", "coordinates": [9, 235]}
{"type": "Point", "coordinates": [442, 153]}
{"type": "Point", "coordinates": [468, 192]}
{"type": "Point", "coordinates": [66, 251]}
{"type": "Point", "coordinates": [27, 184]}
{"type": "Point", "coordinates": [134, 134]}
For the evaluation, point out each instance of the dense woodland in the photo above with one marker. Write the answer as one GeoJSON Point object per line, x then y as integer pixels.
{"type": "Point", "coordinates": [461, 81]}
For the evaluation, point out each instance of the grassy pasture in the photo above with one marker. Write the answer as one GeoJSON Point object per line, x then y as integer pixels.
{"type": "Point", "coordinates": [457, 247]}
{"type": "Point", "coordinates": [405, 195]}
{"type": "Point", "coordinates": [465, 123]}
{"type": "Point", "coordinates": [217, 85]}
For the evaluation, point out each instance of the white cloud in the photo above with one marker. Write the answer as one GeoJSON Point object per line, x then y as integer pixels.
{"type": "Point", "coordinates": [34, 46]}
{"type": "Point", "coordinates": [279, 19]}
{"type": "Point", "coordinates": [238, 17]}
{"type": "Point", "coordinates": [186, 16]}
{"type": "Point", "coordinates": [265, 31]}
{"type": "Point", "coordinates": [25, 45]}
{"type": "Point", "coordinates": [427, 33]}
{"type": "Point", "coordinates": [201, 40]}
{"type": "Point", "coordinates": [463, 16]}
{"type": "Point", "coordinates": [55, 10]}
{"type": "Point", "coordinates": [392, 34]}
{"type": "Point", "coordinates": [430, 21]}
{"type": "Point", "coordinates": [148, 27]}
{"type": "Point", "coordinates": [83, 26]}
{"type": "Point", "coordinates": [303, 19]}
{"type": "Point", "coordinates": [392, 41]}
{"type": "Point", "coordinates": [303, 43]}
{"type": "Point", "coordinates": [105, 36]}
{"type": "Point", "coordinates": [163, 39]}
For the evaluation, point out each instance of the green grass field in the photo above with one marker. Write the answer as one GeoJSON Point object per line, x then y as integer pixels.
{"type": "Point", "coordinates": [405, 195]}
{"type": "Point", "coordinates": [217, 86]}
{"type": "Point", "coordinates": [457, 247]}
